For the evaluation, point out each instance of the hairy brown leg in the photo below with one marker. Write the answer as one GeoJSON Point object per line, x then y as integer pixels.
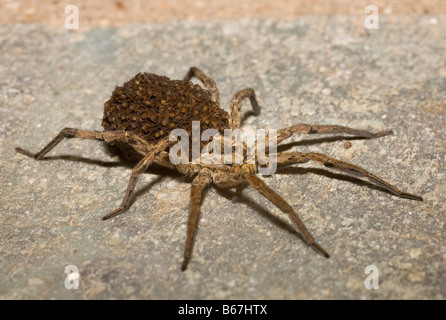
{"type": "Point", "coordinates": [285, 133]}
{"type": "Point", "coordinates": [347, 168]}
{"type": "Point", "coordinates": [199, 184]}
{"type": "Point", "coordinates": [207, 82]}
{"type": "Point", "coordinates": [65, 133]}
{"type": "Point", "coordinates": [236, 106]}
{"type": "Point", "coordinates": [275, 198]}
{"type": "Point", "coordinates": [139, 168]}
{"type": "Point", "coordinates": [109, 136]}
{"type": "Point", "coordinates": [136, 142]}
{"type": "Point", "coordinates": [290, 158]}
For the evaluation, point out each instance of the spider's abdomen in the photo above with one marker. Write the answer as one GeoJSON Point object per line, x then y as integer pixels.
{"type": "Point", "coordinates": [151, 106]}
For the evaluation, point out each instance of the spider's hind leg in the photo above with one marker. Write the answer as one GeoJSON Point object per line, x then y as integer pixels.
{"type": "Point", "coordinates": [358, 172]}
{"type": "Point", "coordinates": [304, 128]}
{"type": "Point", "coordinates": [65, 133]}
{"type": "Point", "coordinates": [133, 140]}
{"type": "Point", "coordinates": [199, 185]}
{"type": "Point", "coordinates": [290, 158]}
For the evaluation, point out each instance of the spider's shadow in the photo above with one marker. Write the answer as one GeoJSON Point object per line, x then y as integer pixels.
{"type": "Point", "coordinates": [279, 222]}
{"type": "Point", "coordinates": [332, 175]}
{"type": "Point", "coordinates": [154, 168]}
{"type": "Point", "coordinates": [163, 172]}
{"type": "Point", "coordinates": [166, 172]}
{"type": "Point", "coordinates": [324, 172]}
{"type": "Point", "coordinates": [248, 114]}
{"type": "Point", "coordinates": [121, 162]}
{"type": "Point", "coordinates": [124, 162]}
{"type": "Point", "coordinates": [160, 171]}
{"type": "Point", "coordinates": [241, 198]}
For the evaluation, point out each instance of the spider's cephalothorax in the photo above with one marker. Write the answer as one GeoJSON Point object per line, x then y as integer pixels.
{"type": "Point", "coordinates": [140, 115]}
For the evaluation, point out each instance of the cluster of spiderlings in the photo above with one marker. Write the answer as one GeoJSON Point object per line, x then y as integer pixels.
{"type": "Point", "coordinates": [151, 106]}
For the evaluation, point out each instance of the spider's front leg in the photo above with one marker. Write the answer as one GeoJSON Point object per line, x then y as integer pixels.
{"type": "Point", "coordinates": [199, 185]}
{"type": "Point", "coordinates": [139, 168]}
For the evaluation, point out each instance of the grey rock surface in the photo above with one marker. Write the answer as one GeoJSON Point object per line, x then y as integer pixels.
{"type": "Point", "coordinates": [315, 70]}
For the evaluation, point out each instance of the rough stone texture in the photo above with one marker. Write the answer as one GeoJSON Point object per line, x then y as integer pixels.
{"type": "Point", "coordinates": [314, 70]}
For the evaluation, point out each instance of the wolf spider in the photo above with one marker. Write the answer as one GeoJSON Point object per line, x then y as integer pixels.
{"type": "Point", "coordinates": [139, 116]}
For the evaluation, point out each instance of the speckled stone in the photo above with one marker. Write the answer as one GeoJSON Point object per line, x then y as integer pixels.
{"type": "Point", "coordinates": [326, 70]}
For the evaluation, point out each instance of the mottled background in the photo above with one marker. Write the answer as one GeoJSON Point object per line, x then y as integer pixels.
{"type": "Point", "coordinates": [308, 63]}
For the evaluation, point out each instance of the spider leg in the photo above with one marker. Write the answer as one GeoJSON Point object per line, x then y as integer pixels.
{"type": "Point", "coordinates": [354, 171]}
{"type": "Point", "coordinates": [285, 133]}
{"type": "Point", "coordinates": [207, 82]}
{"type": "Point", "coordinates": [199, 184]}
{"type": "Point", "coordinates": [139, 168]}
{"type": "Point", "coordinates": [136, 142]}
{"type": "Point", "coordinates": [236, 106]}
{"type": "Point", "coordinates": [65, 133]}
{"type": "Point", "coordinates": [163, 159]}
{"type": "Point", "coordinates": [290, 158]}
{"type": "Point", "coordinates": [275, 198]}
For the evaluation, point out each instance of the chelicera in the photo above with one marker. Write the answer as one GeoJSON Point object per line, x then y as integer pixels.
{"type": "Point", "coordinates": [141, 113]}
